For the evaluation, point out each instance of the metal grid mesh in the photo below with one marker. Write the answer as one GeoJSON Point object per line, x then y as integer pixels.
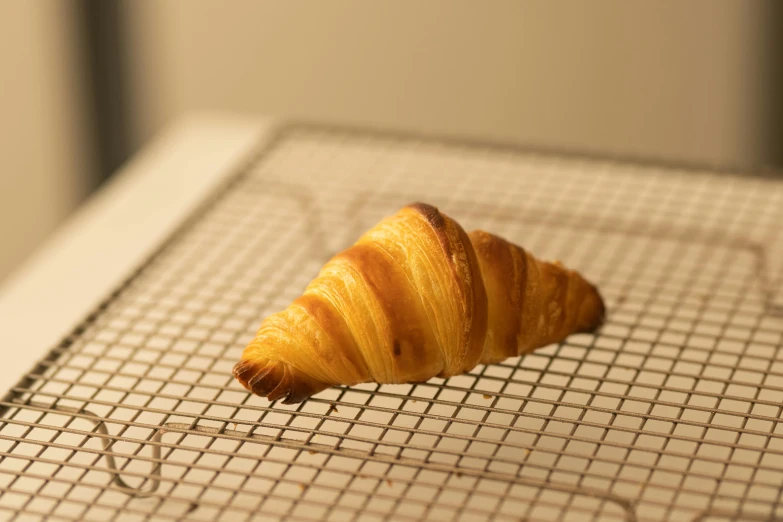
{"type": "Point", "coordinates": [672, 412]}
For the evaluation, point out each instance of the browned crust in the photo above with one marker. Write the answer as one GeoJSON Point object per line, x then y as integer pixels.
{"type": "Point", "coordinates": [276, 380]}
{"type": "Point", "coordinates": [504, 270]}
{"type": "Point", "coordinates": [334, 326]}
{"type": "Point", "coordinates": [466, 275]}
{"type": "Point", "coordinates": [409, 342]}
{"type": "Point", "coordinates": [531, 303]}
{"type": "Point", "coordinates": [433, 216]}
{"type": "Point", "coordinates": [556, 280]}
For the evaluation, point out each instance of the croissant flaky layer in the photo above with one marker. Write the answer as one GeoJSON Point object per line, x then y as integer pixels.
{"type": "Point", "coordinates": [415, 298]}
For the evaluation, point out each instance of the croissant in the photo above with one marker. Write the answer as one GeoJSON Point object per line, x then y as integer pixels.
{"type": "Point", "coordinates": [415, 297]}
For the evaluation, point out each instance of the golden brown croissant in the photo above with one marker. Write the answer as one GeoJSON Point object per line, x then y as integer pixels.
{"type": "Point", "coordinates": [416, 297]}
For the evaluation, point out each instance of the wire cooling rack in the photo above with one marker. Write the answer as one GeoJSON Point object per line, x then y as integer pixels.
{"type": "Point", "coordinates": [671, 412]}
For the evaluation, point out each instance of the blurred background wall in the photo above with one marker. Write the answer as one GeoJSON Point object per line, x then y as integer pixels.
{"type": "Point", "coordinates": [86, 83]}
{"type": "Point", "coordinates": [46, 156]}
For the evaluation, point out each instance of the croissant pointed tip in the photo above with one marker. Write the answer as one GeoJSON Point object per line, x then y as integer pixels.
{"type": "Point", "coordinates": [592, 312]}
{"type": "Point", "coordinates": [275, 380]}
{"type": "Point", "coordinates": [602, 313]}
{"type": "Point", "coordinates": [243, 371]}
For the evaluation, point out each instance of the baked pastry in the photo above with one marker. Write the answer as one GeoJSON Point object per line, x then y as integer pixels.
{"type": "Point", "coordinates": [415, 297]}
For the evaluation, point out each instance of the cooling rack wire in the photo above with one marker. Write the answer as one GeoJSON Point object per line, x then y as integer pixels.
{"type": "Point", "coordinates": [671, 412]}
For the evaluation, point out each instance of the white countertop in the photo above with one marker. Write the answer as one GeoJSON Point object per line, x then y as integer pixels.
{"type": "Point", "coordinates": [120, 226]}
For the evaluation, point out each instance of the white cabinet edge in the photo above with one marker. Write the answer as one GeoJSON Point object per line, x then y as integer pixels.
{"type": "Point", "coordinates": [116, 230]}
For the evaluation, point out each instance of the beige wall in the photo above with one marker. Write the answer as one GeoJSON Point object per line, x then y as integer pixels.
{"type": "Point", "coordinates": [667, 79]}
{"type": "Point", "coordinates": [44, 154]}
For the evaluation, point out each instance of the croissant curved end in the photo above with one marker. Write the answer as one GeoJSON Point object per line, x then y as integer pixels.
{"type": "Point", "coordinates": [275, 380]}
{"type": "Point", "coordinates": [592, 313]}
